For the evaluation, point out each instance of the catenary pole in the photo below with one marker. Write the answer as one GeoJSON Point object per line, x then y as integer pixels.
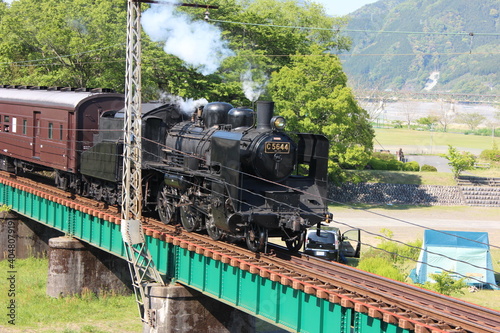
{"type": "Point", "coordinates": [142, 268]}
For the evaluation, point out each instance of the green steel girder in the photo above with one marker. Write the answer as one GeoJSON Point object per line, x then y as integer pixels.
{"type": "Point", "coordinates": [279, 304]}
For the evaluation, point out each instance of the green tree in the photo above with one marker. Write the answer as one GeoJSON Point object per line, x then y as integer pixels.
{"type": "Point", "coordinates": [261, 47]}
{"type": "Point", "coordinates": [311, 93]}
{"type": "Point", "coordinates": [445, 284]}
{"type": "Point", "coordinates": [473, 120]}
{"type": "Point", "coordinates": [460, 161]}
{"type": "Point", "coordinates": [428, 121]}
{"type": "Point", "coordinates": [67, 43]}
{"type": "Point", "coordinates": [82, 43]}
{"type": "Point", "coordinates": [355, 157]}
{"type": "Point", "coordinates": [269, 29]}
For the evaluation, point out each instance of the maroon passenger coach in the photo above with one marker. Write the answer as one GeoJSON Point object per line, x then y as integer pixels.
{"type": "Point", "coordinates": [49, 128]}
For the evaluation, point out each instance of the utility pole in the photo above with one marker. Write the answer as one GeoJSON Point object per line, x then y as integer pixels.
{"type": "Point", "coordinates": [142, 268]}
{"type": "Point", "coordinates": [141, 265]}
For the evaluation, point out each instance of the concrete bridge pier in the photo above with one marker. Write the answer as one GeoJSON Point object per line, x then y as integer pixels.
{"type": "Point", "coordinates": [175, 308]}
{"type": "Point", "coordinates": [22, 238]}
{"type": "Point", "coordinates": [75, 266]}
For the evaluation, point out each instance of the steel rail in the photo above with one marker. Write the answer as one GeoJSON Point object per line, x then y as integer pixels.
{"type": "Point", "coordinates": [394, 302]}
{"type": "Point", "coordinates": [425, 303]}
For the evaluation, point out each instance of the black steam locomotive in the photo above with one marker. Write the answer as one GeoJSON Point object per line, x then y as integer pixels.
{"type": "Point", "coordinates": [215, 169]}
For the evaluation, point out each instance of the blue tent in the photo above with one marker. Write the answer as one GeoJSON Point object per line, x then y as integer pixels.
{"type": "Point", "coordinates": [465, 253]}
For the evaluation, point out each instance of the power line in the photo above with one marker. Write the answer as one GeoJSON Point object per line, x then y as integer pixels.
{"type": "Point", "coordinates": [371, 212]}
{"type": "Point", "coordinates": [62, 56]}
{"type": "Point", "coordinates": [414, 54]}
{"type": "Point", "coordinates": [338, 30]}
{"type": "Point", "coordinates": [29, 63]}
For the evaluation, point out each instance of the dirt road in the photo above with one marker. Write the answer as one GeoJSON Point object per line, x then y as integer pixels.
{"type": "Point", "coordinates": [409, 224]}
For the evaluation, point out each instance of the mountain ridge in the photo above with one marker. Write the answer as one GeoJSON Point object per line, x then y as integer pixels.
{"type": "Point", "coordinates": [402, 42]}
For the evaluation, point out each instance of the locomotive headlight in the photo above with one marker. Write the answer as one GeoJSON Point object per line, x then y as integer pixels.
{"type": "Point", "coordinates": [278, 122]}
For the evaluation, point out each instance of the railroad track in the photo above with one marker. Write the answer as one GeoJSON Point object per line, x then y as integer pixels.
{"type": "Point", "coordinates": [393, 302]}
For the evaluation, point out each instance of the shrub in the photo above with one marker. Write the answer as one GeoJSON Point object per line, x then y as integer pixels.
{"type": "Point", "coordinates": [384, 156]}
{"type": "Point", "coordinates": [490, 155]}
{"type": "Point", "coordinates": [395, 165]}
{"type": "Point", "coordinates": [460, 161]}
{"type": "Point", "coordinates": [445, 284]}
{"type": "Point", "coordinates": [401, 252]}
{"type": "Point", "coordinates": [411, 166]}
{"type": "Point", "coordinates": [381, 266]}
{"type": "Point", "coordinates": [355, 157]}
{"type": "Point", "coordinates": [427, 167]}
{"type": "Point", "coordinates": [377, 164]}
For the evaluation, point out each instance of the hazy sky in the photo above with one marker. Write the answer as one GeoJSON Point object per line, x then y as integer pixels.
{"type": "Point", "coordinates": [333, 7]}
{"type": "Point", "coordinates": [342, 7]}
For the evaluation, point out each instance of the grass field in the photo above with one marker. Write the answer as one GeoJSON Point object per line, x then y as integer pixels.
{"type": "Point", "coordinates": [412, 138]}
{"type": "Point", "coordinates": [37, 312]}
{"type": "Point", "coordinates": [406, 137]}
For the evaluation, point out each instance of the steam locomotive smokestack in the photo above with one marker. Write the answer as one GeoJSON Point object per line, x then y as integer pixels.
{"type": "Point", "coordinates": [265, 111]}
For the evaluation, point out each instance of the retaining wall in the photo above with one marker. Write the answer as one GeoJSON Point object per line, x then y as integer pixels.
{"type": "Point", "coordinates": [400, 194]}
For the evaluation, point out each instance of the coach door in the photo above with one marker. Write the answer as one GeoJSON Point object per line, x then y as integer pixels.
{"type": "Point", "coordinates": [36, 134]}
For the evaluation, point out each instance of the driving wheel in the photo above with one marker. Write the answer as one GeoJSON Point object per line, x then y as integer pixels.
{"type": "Point", "coordinates": [212, 230]}
{"type": "Point", "coordinates": [255, 237]}
{"type": "Point", "coordinates": [165, 204]}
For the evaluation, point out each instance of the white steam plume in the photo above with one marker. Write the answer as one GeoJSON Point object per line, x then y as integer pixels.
{"type": "Point", "coordinates": [197, 43]}
{"type": "Point", "coordinates": [188, 106]}
{"type": "Point", "coordinates": [252, 88]}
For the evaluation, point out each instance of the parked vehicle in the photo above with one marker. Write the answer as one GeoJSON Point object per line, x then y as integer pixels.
{"type": "Point", "coordinates": [330, 244]}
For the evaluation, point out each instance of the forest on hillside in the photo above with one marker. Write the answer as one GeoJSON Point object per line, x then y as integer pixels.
{"type": "Point", "coordinates": [398, 44]}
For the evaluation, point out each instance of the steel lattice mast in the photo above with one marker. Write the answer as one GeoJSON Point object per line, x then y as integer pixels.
{"type": "Point", "coordinates": [141, 266]}
{"type": "Point", "coordinates": [132, 194]}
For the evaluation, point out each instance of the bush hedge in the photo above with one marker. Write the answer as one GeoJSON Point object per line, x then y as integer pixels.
{"type": "Point", "coordinates": [411, 166]}
{"type": "Point", "coordinates": [392, 165]}
{"type": "Point", "coordinates": [490, 155]}
{"type": "Point", "coordinates": [428, 168]}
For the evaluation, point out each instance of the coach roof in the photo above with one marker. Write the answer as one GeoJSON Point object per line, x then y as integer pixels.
{"type": "Point", "coordinates": [61, 98]}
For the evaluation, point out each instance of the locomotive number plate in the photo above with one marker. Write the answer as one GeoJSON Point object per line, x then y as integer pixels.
{"type": "Point", "coordinates": [277, 147]}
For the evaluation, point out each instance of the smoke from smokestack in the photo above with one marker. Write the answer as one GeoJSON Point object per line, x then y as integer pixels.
{"type": "Point", "coordinates": [251, 87]}
{"type": "Point", "coordinates": [188, 106]}
{"type": "Point", "coordinates": [197, 43]}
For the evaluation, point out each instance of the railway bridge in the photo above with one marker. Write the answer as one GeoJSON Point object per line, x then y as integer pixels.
{"type": "Point", "coordinates": [293, 293]}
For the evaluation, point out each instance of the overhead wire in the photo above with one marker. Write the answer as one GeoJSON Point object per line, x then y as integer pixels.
{"type": "Point", "coordinates": [288, 188]}
{"type": "Point", "coordinates": [341, 29]}
{"type": "Point", "coordinates": [338, 30]}
{"type": "Point", "coordinates": [61, 56]}
{"type": "Point", "coordinates": [381, 236]}
{"type": "Point", "coordinates": [29, 63]}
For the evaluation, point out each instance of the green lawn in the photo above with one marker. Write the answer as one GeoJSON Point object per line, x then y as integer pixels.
{"type": "Point", "coordinates": [406, 137]}
{"type": "Point", "coordinates": [37, 312]}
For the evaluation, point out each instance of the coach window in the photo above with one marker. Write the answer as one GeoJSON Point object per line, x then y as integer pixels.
{"type": "Point", "coordinates": [6, 126]}
{"type": "Point", "coordinates": [14, 125]}
{"type": "Point", "coordinates": [51, 128]}
{"type": "Point", "coordinates": [60, 132]}
{"type": "Point", "coordinates": [25, 127]}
